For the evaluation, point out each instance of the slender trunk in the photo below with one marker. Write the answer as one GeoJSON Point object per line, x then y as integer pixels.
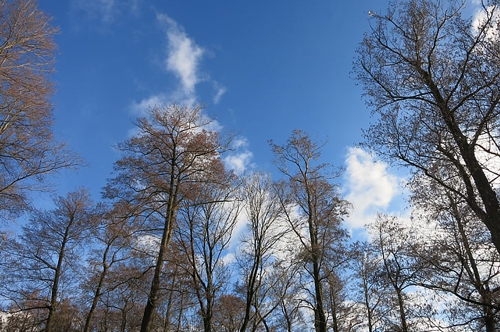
{"type": "Point", "coordinates": [97, 293]}
{"type": "Point", "coordinates": [153, 295]}
{"type": "Point", "coordinates": [367, 304]}
{"type": "Point", "coordinates": [208, 314]}
{"type": "Point", "coordinates": [489, 318]}
{"type": "Point", "coordinates": [123, 323]}
{"type": "Point", "coordinates": [319, 312]}
{"type": "Point", "coordinates": [95, 300]}
{"type": "Point", "coordinates": [154, 291]}
{"type": "Point", "coordinates": [252, 278]}
{"type": "Point", "coordinates": [264, 322]}
{"type": "Point", "coordinates": [475, 276]}
{"type": "Point", "coordinates": [486, 192]}
{"type": "Point", "coordinates": [147, 318]}
{"type": "Point", "coordinates": [167, 322]}
{"type": "Point", "coordinates": [179, 315]}
{"type": "Point", "coordinates": [57, 277]}
{"type": "Point", "coordinates": [287, 317]}
{"type": "Point", "coordinates": [209, 298]}
{"type": "Point", "coordinates": [333, 304]}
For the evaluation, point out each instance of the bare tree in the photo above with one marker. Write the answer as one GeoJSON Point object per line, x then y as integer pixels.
{"type": "Point", "coordinates": [28, 151]}
{"type": "Point", "coordinates": [179, 308]}
{"type": "Point", "coordinates": [396, 248]}
{"type": "Point", "coordinates": [173, 149]}
{"type": "Point", "coordinates": [113, 244]}
{"type": "Point", "coordinates": [121, 304]}
{"type": "Point", "coordinates": [368, 292]}
{"type": "Point", "coordinates": [314, 210]}
{"type": "Point", "coordinates": [205, 232]}
{"type": "Point", "coordinates": [47, 258]}
{"type": "Point", "coordinates": [260, 248]}
{"type": "Point", "coordinates": [433, 78]}
{"type": "Point", "coordinates": [459, 259]}
{"type": "Point", "coordinates": [286, 292]}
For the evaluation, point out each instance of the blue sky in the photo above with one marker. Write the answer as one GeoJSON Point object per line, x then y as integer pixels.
{"type": "Point", "coordinates": [261, 68]}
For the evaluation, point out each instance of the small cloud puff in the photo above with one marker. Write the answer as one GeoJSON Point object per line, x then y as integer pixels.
{"type": "Point", "coordinates": [240, 160]}
{"type": "Point", "coordinates": [370, 186]}
{"type": "Point", "coordinates": [140, 108]}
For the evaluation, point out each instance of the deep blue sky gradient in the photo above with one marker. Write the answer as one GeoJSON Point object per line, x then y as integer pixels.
{"type": "Point", "coordinates": [283, 65]}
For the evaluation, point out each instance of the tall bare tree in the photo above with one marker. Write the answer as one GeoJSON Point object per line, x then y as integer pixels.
{"type": "Point", "coordinates": [28, 151]}
{"type": "Point", "coordinates": [433, 78]}
{"type": "Point", "coordinates": [46, 258]}
{"type": "Point", "coordinates": [204, 233]}
{"type": "Point", "coordinates": [260, 248]}
{"type": "Point", "coordinates": [112, 247]}
{"type": "Point", "coordinates": [172, 151]}
{"type": "Point", "coordinates": [367, 291]}
{"type": "Point", "coordinates": [397, 270]}
{"type": "Point", "coordinates": [314, 210]}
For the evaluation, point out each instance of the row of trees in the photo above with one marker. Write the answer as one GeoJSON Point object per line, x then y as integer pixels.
{"type": "Point", "coordinates": [161, 252]}
{"type": "Point", "coordinates": [157, 245]}
{"type": "Point", "coordinates": [179, 243]}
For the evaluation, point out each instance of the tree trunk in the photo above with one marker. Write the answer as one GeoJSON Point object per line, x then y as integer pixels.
{"type": "Point", "coordinates": [319, 312]}
{"type": "Point", "coordinates": [150, 308]}
{"type": "Point", "coordinates": [402, 314]}
{"type": "Point", "coordinates": [97, 293]}
{"type": "Point", "coordinates": [57, 277]}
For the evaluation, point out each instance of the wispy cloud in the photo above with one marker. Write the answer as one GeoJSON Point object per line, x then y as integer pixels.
{"type": "Point", "coordinates": [220, 90]}
{"type": "Point", "coordinates": [370, 186]}
{"type": "Point", "coordinates": [183, 58]}
{"type": "Point", "coordinates": [105, 11]}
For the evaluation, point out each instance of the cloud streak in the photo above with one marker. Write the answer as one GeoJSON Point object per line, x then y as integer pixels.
{"type": "Point", "coordinates": [183, 56]}
{"type": "Point", "coordinates": [105, 11]}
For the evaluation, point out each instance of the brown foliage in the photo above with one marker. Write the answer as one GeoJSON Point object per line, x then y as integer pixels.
{"type": "Point", "coordinates": [27, 148]}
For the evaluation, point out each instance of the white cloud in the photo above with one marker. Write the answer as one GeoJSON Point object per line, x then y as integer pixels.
{"type": "Point", "coordinates": [240, 143]}
{"type": "Point", "coordinates": [140, 108]}
{"type": "Point", "coordinates": [239, 160]}
{"type": "Point", "coordinates": [228, 259]}
{"type": "Point", "coordinates": [183, 56]}
{"type": "Point", "coordinates": [370, 186]}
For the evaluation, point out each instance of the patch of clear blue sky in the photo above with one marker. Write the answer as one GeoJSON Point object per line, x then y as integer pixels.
{"type": "Point", "coordinates": [284, 65]}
